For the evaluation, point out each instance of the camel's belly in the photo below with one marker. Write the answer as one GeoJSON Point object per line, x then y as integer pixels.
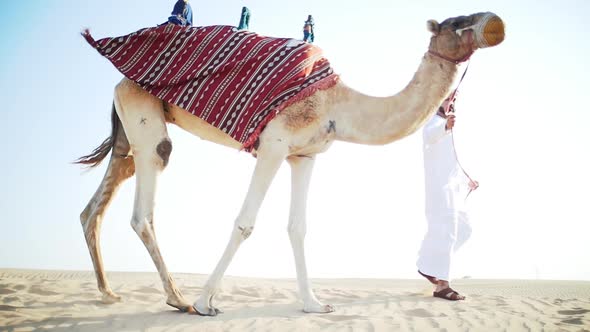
{"type": "Point", "coordinates": [199, 127]}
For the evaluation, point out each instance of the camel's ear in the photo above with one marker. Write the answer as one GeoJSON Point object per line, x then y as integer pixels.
{"type": "Point", "coordinates": [432, 26]}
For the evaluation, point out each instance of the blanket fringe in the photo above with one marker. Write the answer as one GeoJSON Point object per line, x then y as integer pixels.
{"type": "Point", "coordinates": [86, 34]}
{"type": "Point", "coordinates": [322, 84]}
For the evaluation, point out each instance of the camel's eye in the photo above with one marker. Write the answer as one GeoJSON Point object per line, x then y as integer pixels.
{"type": "Point", "coordinates": [456, 25]}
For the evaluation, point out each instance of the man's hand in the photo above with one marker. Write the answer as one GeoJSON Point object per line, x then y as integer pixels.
{"type": "Point", "coordinates": [450, 121]}
{"type": "Point", "coordinates": [473, 184]}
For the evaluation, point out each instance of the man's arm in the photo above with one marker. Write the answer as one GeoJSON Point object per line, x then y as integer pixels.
{"type": "Point", "coordinates": [189, 14]}
{"type": "Point", "coordinates": [436, 129]}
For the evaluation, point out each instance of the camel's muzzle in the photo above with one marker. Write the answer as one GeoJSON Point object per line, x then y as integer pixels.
{"type": "Point", "coordinates": [490, 31]}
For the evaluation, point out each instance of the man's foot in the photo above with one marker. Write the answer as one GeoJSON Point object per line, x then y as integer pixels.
{"type": "Point", "coordinates": [433, 280]}
{"type": "Point", "coordinates": [448, 294]}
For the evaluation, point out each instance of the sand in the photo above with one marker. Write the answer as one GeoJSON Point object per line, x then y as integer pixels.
{"type": "Point", "coordinates": [69, 301]}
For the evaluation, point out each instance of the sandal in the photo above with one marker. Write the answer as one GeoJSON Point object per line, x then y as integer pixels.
{"type": "Point", "coordinates": [433, 280]}
{"type": "Point", "coordinates": [448, 294]}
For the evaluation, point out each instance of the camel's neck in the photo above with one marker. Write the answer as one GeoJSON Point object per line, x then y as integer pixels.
{"type": "Point", "coordinates": [375, 120]}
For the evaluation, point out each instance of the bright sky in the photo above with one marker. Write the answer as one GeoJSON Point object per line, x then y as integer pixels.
{"type": "Point", "coordinates": [521, 131]}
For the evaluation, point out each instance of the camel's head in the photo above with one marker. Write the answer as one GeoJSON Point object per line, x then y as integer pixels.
{"type": "Point", "coordinates": [455, 39]}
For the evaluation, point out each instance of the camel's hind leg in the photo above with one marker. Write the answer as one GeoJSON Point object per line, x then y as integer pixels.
{"type": "Point", "coordinates": [120, 168]}
{"type": "Point", "coordinates": [301, 169]}
{"type": "Point", "coordinates": [142, 116]}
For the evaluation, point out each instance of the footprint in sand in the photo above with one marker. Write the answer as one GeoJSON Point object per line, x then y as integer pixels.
{"type": "Point", "coordinates": [4, 307]}
{"type": "Point", "coordinates": [36, 289]}
{"type": "Point", "coordinates": [246, 291]}
{"type": "Point", "coordinates": [4, 291]}
{"type": "Point", "coordinates": [7, 299]}
{"type": "Point", "coordinates": [148, 290]}
{"type": "Point", "coordinates": [341, 318]}
{"type": "Point", "coordinates": [576, 311]}
{"type": "Point", "coordinates": [419, 313]}
{"type": "Point", "coordinates": [573, 321]}
{"type": "Point", "coordinates": [278, 295]}
{"type": "Point", "coordinates": [143, 298]}
{"type": "Point", "coordinates": [89, 285]}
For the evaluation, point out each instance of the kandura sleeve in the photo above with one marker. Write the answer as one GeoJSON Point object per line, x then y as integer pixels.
{"type": "Point", "coordinates": [434, 130]}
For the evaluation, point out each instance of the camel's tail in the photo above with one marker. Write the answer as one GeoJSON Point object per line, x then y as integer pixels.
{"type": "Point", "coordinates": [98, 154]}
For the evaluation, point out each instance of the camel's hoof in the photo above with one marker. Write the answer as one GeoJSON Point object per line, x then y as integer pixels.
{"type": "Point", "coordinates": [110, 298]}
{"type": "Point", "coordinates": [211, 312]}
{"type": "Point", "coordinates": [321, 309]}
{"type": "Point", "coordinates": [183, 308]}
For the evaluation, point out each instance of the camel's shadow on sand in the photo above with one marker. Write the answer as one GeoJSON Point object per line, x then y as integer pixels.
{"type": "Point", "coordinates": [162, 320]}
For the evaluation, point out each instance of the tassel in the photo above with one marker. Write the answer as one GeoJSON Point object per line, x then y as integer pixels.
{"type": "Point", "coordinates": [86, 34]}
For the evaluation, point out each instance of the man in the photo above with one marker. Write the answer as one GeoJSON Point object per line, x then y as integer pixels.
{"type": "Point", "coordinates": [308, 34]}
{"type": "Point", "coordinates": [244, 19]}
{"type": "Point", "coordinates": [182, 14]}
{"type": "Point", "coordinates": [446, 186]}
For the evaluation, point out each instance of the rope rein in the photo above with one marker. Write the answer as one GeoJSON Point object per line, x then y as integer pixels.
{"type": "Point", "coordinates": [447, 108]}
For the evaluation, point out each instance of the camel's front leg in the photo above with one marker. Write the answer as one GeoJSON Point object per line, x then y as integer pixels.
{"type": "Point", "coordinates": [301, 168]}
{"type": "Point", "coordinates": [267, 165]}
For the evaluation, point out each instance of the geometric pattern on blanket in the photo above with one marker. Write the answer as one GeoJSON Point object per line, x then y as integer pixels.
{"type": "Point", "coordinates": [235, 80]}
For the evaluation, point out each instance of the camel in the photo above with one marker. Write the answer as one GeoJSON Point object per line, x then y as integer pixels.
{"type": "Point", "coordinates": [139, 144]}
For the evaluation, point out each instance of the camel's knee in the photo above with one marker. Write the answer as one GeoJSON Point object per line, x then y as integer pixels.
{"type": "Point", "coordinates": [86, 223]}
{"type": "Point", "coordinates": [297, 229]}
{"type": "Point", "coordinates": [127, 168]}
{"type": "Point", "coordinates": [122, 163]}
{"type": "Point", "coordinates": [91, 228]}
{"type": "Point", "coordinates": [245, 231]}
{"type": "Point", "coordinates": [164, 149]}
{"type": "Point", "coordinates": [89, 218]}
{"type": "Point", "coordinates": [84, 216]}
{"type": "Point", "coordinates": [145, 232]}
{"type": "Point", "coordinates": [140, 225]}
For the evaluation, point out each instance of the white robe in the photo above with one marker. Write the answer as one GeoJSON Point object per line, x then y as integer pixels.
{"type": "Point", "coordinates": [446, 188]}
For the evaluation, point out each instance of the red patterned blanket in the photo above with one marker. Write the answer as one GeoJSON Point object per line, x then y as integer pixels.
{"type": "Point", "coordinates": [235, 80]}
